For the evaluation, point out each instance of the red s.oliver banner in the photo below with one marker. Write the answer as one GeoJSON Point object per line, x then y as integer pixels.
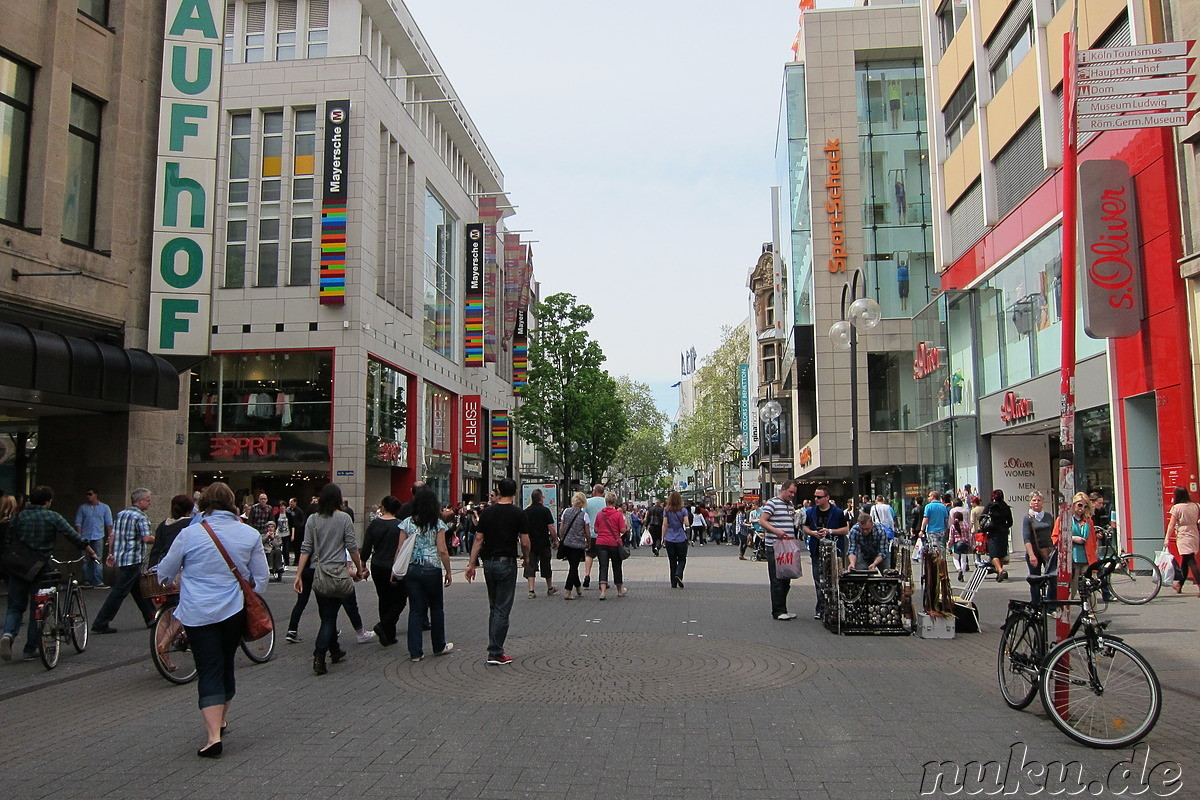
{"type": "Point", "coordinates": [1112, 267]}
{"type": "Point", "coordinates": [471, 412]}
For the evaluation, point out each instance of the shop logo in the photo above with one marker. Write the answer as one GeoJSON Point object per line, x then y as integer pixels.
{"type": "Point", "coordinates": [337, 115]}
{"type": "Point", "coordinates": [928, 360]}
{"type": "Point", "coordinates": [806, 457]}
{"type": "Point", "coordinates": [470, 423]}
{"type": "Point", "coordinates": [834, 207]}
{"type": "Point", "coordinates": [395, 453]}
{"type": "Point", "coordinates": [229, 447]}
{"type": "Point", "coordinates": [1014, 408]}
{"type": "Point", "coordinates": [1112, 265]}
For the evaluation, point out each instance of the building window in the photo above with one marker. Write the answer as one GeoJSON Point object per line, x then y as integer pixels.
{"type": "Point", "coordinates": [230, 10]}
{"type": "Point", "coordinates": [83, 170]}
{"type": "Point", "coordinates": [16, 98]}
{"type": "Point", "coordinates": [950, 16]}
{"type": "Point", "coordinates": [239, 200]}
{"type": "Point", "coordinates": [439, 277]}
{"type": "Point", "coordinates": [891, 391]}
{"type": "Point", "coordinates": [318, 28]}
{"type": "Point", "coordinates": [769, 357]}
{"type": "Point", "coordinates": [285, 30]}
{"type": "Point", "coordinates": [256, 31]}
{"type": "Point", "coordinates": [1015, 50]}
{"type": "Point", "coordinates": [303, 144]}
{"type": "Point", "coordinates": [96, 9]}
{"type": "Point", "coordinates": [959, 114]}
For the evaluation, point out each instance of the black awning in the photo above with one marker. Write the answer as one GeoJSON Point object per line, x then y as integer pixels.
{"type": "Point", "coordinates": [60, 369]}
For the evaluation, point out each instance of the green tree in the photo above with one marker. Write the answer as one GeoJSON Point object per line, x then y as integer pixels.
{"type": "Point", "coordinates": [609, 427]}
{"type": "Point", "coordinates": [564, 410]}
{"type": "Point", "coordinates": [715, 422]}
{"type": "Point", "coordinates": [643, 453]}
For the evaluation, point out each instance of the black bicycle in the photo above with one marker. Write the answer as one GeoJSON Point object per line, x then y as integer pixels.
{"type": "Point", "coordinates": [171, 654]}
{"type": "Point", "coordinates": [1131, 578]}
{"type": "Point", "coordinates": [1094, 687]}
{"type": "Point", "coordinates": [60, 613]}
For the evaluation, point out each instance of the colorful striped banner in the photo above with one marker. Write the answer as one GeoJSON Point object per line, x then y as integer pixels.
{"type": "Point", "coordinates": [520, 351]}
{"type": "Point", "coordinates": [333, 253]}
{"type": "Point", "coordinates": [473, 307]}
{"type": "Point", "coordinates": [500, 435]}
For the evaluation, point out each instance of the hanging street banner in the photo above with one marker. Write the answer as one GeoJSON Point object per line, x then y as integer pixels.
{"type": "Point", "coordinates": [1130, 88]}
{"type": "Point", "coordinates": [489, 215]}
{"type": "Point", "coordinates": [520, 350]}
{"type": "Point", "coordinates": [473, 311]}
{"type": "Point", "coordinates": [333, 203]}
{"type": "Point", "coordinates": [472, 424]}
{"type": "Point", "coordinates": [1112, 266]}
{"type": "Point", "coordinates": [512, 287]}
{"type": "Point", "coordinates": [182, 229]}
{"type": "Point", "coordinates": [744, 403]}
{"type": "Point", "coordinates": [500, 440]}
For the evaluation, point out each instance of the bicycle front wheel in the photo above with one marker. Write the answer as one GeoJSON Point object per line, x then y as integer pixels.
{"type": "Point", "coordinates": [260, 650]}
{"type": "Point", "coordinates": [1104, 695]}
{"type": "Point", "coordinates": [48, 643]}
{"type": "Point", "coordinates": [1018, 659]}
{"type": "Point", "coordinates": [1136, 580]}
{"type": "Point", "coordinates": [77, 619]}
{"type": "Point", "coordinates": [169, 647]}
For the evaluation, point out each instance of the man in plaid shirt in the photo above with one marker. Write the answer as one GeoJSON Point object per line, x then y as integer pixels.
{"type": "Point", "coordinates": [869, 545]}
{"type": "Point", "coordinates": [37, 526]}
{"type": "Point", "coordinates": [126, 551]}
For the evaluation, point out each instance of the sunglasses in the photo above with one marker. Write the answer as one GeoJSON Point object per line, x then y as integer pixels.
{"type": "Point", "coordinates": [820, 496]}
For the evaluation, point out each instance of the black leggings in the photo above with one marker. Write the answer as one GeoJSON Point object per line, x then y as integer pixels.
{"type": "Point", "coordinates": [574, 556]}
{"type": "Point", "coordinates": [1187, 563]}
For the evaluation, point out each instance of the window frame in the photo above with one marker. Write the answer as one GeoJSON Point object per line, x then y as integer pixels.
{"type": "Point", "coordinates": [97, 141]}
{"type": "Point", "coordinates": [99, 20]}
{"type": "Point", "coordinates": [21, 160]}
{"type": "Point", "coordinates": [1005, 61]}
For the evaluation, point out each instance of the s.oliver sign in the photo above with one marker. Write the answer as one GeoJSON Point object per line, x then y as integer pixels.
{"type": "Point", "coordinates": [470, 424]}
{"type": "Point", "coordinates": [1112, 280]}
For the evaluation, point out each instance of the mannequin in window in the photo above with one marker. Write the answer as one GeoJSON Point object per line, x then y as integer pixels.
{"type": "Point", "coordinates": [894, 97]}
{"type": "Point", "coordinates": [902, 280]}
{"type": "Point", "coordinates": [901, 197]}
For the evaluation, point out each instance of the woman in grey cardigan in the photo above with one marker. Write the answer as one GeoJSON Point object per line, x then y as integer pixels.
{"type": "Point", "coordinates": [328, 536]}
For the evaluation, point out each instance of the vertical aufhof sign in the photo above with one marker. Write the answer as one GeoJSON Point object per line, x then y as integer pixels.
{"type": "Point", "coordinates": [1112, 277]}
{"type": "Point", "coordinates": [473, 313]}
{"type": "Point", "coordinates": [185, 183]}
{"type": "Point", "coordinates": [333, 203]}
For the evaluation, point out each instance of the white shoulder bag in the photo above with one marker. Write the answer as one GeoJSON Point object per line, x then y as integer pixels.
{"type": "Point", "coordinates": [404, 554]}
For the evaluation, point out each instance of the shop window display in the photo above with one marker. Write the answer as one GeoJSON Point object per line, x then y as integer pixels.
{"type": "Point", "coordinates": [262, 392]}
{"type": "Point", "coordinates": [387, 414]}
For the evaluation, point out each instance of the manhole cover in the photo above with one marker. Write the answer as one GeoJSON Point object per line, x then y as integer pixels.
{"type": "Point", "coordinates": [608, 668]}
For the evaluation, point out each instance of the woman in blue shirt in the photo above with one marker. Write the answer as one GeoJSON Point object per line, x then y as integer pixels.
{"type": "Point", "coordinates": [211, 606]}
{"type": "Point", "coordinates": [676, 522]}
{"type": "Point", "coordinates": [428, 573]}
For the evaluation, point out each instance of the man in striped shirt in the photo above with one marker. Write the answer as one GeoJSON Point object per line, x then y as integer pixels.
{"type": "Point", "coordinates": [778, 520]}
{"type": "Point", "coordinates": [126, 550]}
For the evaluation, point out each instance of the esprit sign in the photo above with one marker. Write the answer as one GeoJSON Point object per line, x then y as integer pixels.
{"type": "Point", "coordinates": [1112, 299]}
{"type": "Point", "coordinates": [223, 448]}
{"type": "Point", "coordinates": [470, 424]}
{"type": "Point", "coordinates": [834, 207]}
{"type": "Point", "coordinates": [927, 360]}
{"type": "Point", "coordinates": [1014, 408]}
{"type": "Point", "coordinates": [185, 181]}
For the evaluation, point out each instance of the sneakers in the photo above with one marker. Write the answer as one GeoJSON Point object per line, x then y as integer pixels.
{"type": "Point", "coordinates": [103, 586]}
{"type": "Point", "coordinates": [449, 646]}
{"type": "Point", "coordinates": [622, 592]}
{"type": "Point", "coordinates": [500, 660]}
{"type": "Point", "coordinates": [533, 595]}
{"type": "Point", "coordinates": [292, 638]}
{"type": "Point", "coordinates": [6, 647]}
{"type": "Point", "coordinates": [365, 636]}
{"type": "Point", "coordinates": [553, 590]}
{"type": "Point", "coordinates": [785, 616]}
{"type": "Point", "coordinates": [415, 659]}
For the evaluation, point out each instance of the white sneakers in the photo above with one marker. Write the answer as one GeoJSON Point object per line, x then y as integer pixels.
{"type": "Point", "coordinates": [785, 616]}
{"type": "Point", "coordinates": [365, 636]}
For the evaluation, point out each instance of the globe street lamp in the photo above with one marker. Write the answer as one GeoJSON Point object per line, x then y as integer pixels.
{"type": "Point", "coordinates": [863, 313]}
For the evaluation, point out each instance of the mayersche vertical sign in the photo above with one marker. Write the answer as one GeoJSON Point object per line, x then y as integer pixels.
{"type": "Point", "coordinates": [185, 179]}
{"type": "Point", "coordinates": [473, 313]}
{"type": "Point", "coordinates": [333, 203]}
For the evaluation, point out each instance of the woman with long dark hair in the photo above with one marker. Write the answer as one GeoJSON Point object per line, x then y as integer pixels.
{"type": "Point", "coordinates": [428, 574]}
{"type": "Point", "coordinates": [998, 533]}
{"type": "Point", "coordinates": [328, 536]}
{"type": "Point", "coordinates": [211, 604]}
{"type": "Point", "coordinates": [1183, 528]}
{"type": "Point", "coordinates": [675, 538]}
{"type": "Point", "coordinates": [380, 545]}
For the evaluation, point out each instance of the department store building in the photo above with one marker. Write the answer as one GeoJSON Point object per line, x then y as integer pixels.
{"type": "Point", "coordinates": [360, 332]}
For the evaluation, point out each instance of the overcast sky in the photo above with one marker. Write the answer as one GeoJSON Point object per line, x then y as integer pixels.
{"type": "Point", "coordinates": [638, 139]}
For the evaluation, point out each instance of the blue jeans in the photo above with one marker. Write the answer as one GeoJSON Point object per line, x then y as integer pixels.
{"type": "Point", "coordinates": [93, 571]}
{"type": "Point", "coordinates": [501, 577]}
{"type": "Point", "coordinates": [327, 640]}
{"type": "Point", "coordinates": [19, 592]}
{"type": "Point", "coordinates": [126, 583]}
{"type": "Point", "coordinates": [213, 648]}
{"type": "Point", "coordinates": [424, 586]}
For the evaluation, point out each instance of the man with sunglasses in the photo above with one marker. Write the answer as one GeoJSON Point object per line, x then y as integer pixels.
{"type": "Point", "coordinates": [824, 520]}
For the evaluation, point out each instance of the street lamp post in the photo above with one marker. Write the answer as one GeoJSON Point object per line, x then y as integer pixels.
{"type": "Point", "coordinates": [864, 313]}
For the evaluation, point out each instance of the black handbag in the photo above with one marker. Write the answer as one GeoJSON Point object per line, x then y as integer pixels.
{"type": "Point", "coordinates": [22, 561]}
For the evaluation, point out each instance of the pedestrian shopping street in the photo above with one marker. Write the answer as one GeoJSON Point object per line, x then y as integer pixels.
{"type": "Point", "coordinates": [666, 693]}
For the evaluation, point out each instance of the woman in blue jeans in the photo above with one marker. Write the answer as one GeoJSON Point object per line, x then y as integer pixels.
{"type": "Point", "coordinates": [428, 574]}
{"type": "Point", "coordinates": [675, 525]}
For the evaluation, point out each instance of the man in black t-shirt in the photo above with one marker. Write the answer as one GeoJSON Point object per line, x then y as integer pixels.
{"type": "Point", "coordinates": [543, 537]}
{"type": "Point", "coordinates": [654, 524]}
{"type": "Point", "coordinates": [502, 528]}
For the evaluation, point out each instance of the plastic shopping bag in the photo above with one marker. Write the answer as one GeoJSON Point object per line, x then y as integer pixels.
{"type": "Point", "coordinates": [787, 558]}
{"type": "Point", "coordinates": [1166, 564]}
{"type": "Point", "coordinates": [647, 539]}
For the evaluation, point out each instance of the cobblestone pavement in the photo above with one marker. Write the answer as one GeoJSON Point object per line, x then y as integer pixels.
{"type": "Point", "coordinates": [666, 693]}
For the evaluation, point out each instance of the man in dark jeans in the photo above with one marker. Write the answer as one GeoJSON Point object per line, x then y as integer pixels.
{"type": "Point", "coordinates": [502, 527]}
{"type": "Point", "coordinates": [654, 524]}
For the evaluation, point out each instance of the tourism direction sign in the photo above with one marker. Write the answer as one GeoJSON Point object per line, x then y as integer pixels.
{"type": "Point", "coordinates": [1141, 86]}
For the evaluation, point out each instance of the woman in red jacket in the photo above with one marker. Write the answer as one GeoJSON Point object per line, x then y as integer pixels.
{"type": "Point", "coordinates": [610, 527]}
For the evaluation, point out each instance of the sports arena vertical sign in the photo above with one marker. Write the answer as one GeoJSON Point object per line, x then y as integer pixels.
{"type": "Point", "coordinates": [473, 313]}
{"type": "Point", "coordinates": [185, 178]}
{"type": "Point", "coordinates": [333, 203]}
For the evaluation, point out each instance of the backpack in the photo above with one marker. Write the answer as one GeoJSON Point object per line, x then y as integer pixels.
{"type": "Point", "coordinates": [985, 522]}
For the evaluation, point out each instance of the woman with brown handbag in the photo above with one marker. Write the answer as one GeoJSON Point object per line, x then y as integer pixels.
{"type": "Point", "coordinates": [211, 602]}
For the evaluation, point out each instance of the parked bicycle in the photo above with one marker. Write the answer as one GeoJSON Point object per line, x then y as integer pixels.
{"type": "Point", "coordinates": [1095, 688]}
{"type": "Point", "coordinates": [1131, 578]}
{"type": "Point", "coordinates": [59, 611]}
{"type": "Point", "coordinates": [169, 648]}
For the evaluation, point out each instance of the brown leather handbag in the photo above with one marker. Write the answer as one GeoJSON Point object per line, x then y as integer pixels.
{"type": "Point", "coordinates": [258, 617]}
